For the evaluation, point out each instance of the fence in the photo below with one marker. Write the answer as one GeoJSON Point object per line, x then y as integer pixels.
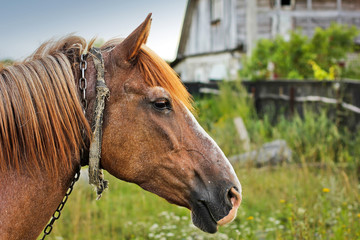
{"type": "Point", "coordinates": [341, 98]}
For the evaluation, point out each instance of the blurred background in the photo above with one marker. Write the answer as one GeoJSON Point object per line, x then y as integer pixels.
{"type": "Point", "coordinates": [275, 83]}
{"type": "Point", "coordinates": [27, 24]}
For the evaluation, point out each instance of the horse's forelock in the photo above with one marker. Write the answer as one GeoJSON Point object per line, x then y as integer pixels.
{"type": "Point", "coordinates": [158, 73]}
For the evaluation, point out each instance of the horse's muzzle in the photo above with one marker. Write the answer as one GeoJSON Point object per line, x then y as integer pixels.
{"type": "Point", "coordinates": [210, 210]}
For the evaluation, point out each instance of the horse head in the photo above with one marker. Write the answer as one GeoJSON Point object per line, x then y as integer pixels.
{"type": "Point", "coordinates": [151, 138]}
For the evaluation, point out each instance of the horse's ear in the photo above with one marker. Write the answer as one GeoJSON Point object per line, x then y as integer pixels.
{"type": "Point", "coordinates": [132, 44]}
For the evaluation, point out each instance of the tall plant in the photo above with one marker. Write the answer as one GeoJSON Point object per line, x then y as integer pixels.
{"type": "Point", "coordinates": [291, 59]}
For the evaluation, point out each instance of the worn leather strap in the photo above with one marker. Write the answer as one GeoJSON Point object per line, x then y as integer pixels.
{"type": "Point", "coordinates": [96, 176]}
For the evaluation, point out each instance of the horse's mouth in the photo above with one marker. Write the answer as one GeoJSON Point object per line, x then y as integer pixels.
{"type": "Point", "coordinates": [208, 215]}
{"type": "Point", "coordinates": [203, 218]}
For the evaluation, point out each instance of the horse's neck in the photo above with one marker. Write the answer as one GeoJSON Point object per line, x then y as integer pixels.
{"type": "Point", "coordinates": [27, 203]}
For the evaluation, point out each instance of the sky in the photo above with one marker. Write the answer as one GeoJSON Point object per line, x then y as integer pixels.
{"type": "Point", "coordinates": [25, 24]}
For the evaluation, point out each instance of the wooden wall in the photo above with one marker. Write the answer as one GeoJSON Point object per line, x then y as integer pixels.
{"type": "Point", "coordinates": [206, 36]}
{"type": "Point", "coordinates": [319, 13]}
{"type": "Point", "coordinates": [280, 97]}
{"type": "Point", "coordinates": [241, 21]}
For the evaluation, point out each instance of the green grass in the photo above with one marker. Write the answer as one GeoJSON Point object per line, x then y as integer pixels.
{"type": "Point", "coordinates": [314, 197]}
{"type": "Point", "coordinates": [315, 137]}
{"type": "Point", "coordinates": [285, 202]}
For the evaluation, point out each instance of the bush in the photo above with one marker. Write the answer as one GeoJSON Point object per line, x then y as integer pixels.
{"type": "Point", "coordinates": [291, 59]}
{"type": "Point", "coordinates": [313, 138]}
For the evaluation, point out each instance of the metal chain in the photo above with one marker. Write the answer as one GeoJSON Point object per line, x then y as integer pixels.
{"type": "Point", "coordinates": [57, 212]}
{"type": "Point", "coordinates": [83, 81]}
{"type": "Point", "coordinates": [84, 103]}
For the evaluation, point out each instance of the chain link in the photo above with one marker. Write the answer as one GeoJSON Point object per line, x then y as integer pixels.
{"type": "Point", "coordinates": [84, 103]}
{"type": "Point", "coordinates": [57, 212]}
{"type": "Point", "coordinates": [83, 81]}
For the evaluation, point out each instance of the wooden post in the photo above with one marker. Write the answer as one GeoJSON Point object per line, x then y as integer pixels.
{"type": "Point", "coordinates": [339, 9]}
{"type": "Point", "coordinates": [338, 104]}
{"type": "Point", "coordinates": [308, 19]}
{"type": "Point", "coordinates": [251, 26]}
{"type": "Point", "coordinates": [253, 92]}
{"type": "Point", "coordinates": [256, 100]}
{"type": "Point", "coordinates": [242, 133]}
{"type": "Point", "coordinates": [278, 8]}
{"type": "Point", "coordinates": [292, 101]}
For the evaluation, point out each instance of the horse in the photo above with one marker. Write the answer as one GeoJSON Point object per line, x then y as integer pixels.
{"type": "Point", "coordinates": [150, 136]}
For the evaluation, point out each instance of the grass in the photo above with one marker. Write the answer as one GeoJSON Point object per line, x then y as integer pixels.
{"type": "Point", "coordinates": [292, 201]}
{"type": "Point", "coordinates": [315, 137]}
{"type": "Point", "coordinates": [284, 202]}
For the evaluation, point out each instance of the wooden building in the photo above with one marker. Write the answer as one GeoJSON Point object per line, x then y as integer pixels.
{"type": "Point", "coordinates": [217, 34]}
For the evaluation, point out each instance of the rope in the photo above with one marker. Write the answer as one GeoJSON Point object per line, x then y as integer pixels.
{"type": "Point", "coordinates": [96, 176]}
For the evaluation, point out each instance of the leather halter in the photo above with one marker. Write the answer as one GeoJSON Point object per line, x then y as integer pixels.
{"type": "Point", "coordinates": [96, 176]}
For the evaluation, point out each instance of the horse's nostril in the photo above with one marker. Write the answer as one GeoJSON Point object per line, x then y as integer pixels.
{"type": "Point", "coordinates": [234, 197]}
{"type": "Point", "coordinates": [230, 195]}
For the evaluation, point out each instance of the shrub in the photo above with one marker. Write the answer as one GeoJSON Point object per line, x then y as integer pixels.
{"type": "Point", "coordinates": [313, 138]}
{"type": "Point", "coordinates": [292, 58]}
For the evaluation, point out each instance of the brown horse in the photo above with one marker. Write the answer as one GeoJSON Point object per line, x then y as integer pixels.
{"type": "Point", "coordinates": [150, 136]}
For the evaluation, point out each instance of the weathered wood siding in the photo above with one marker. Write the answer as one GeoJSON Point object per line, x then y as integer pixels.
{"type": "Point", "coordinates": [206, 36]}
{"type": "Point", "coordinates": [351, 5]}
{"type": "Point", "coordinates": [241, 21]}
{"type": "Point", "coordinates": [269, 97]}
{"type": "Point", "coordinates": [211, 49]}
{"type": "Point", "coordinates": [300, 5]}
{"type": "Point", "coordinates": [319, 13]}
{"type": "Point", "coordinates": [324, 5]}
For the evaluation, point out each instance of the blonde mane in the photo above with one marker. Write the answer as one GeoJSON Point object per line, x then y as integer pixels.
{"type": "Point", "coordinates": [41, 118]}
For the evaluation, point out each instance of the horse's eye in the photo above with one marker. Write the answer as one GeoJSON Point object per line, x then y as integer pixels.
{"type": "Point", "coordinates": [162, 104]}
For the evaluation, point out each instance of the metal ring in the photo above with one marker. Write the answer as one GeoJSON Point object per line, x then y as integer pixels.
{"type": "Point", "coordinates": [57, 214]}
{"type": "Point", "coordinates": [68, 192]}
{"type": "Point", "coordinates": [48, 229]}
{"type": "Point", "coordinates": [84, 104]}
{"type": "Point", "coordinates": [77, 176]}
{"type": "Point", "coordinates": [83, 65]}
{"type": "Point", "coordinates": [61, 205]}
{"type": "Point", "coordinates": [82, 83]}
{"type": "Point", "coordinates": [65, 199]}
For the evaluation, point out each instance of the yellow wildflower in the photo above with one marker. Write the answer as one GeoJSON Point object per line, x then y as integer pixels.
{"type": "Point", "coordinates": [250, 218]}
{"type": "Point", "coordinates": [358, 215]}
{"type": "Point", "coordinates": [282, 201]}
{"type": "Point", "coordinates": [326, 190]}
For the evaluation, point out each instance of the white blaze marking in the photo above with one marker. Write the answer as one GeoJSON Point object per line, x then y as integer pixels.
{"type": "Point", "coordinates": [214, 147]}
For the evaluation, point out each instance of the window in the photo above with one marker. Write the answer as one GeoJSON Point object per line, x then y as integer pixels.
{"type": "Point", "coordinates": [217, 10]}
{"type": "Point", "coordinates": [285, 2]}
